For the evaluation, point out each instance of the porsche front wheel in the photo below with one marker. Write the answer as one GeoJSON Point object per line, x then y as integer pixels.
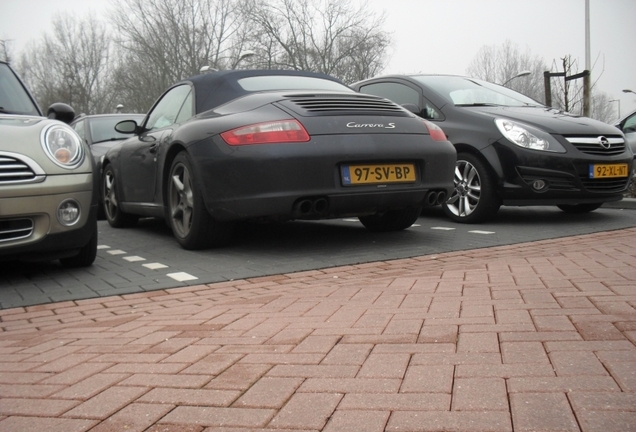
{"type": "Point", "coordinates": [191, 224]}
{"type": "Point", "coordinates": [115, 216]}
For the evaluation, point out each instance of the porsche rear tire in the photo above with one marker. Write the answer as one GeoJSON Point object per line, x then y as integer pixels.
{"type": "Point", "coordinates": [191, 224]}
{"type": "Point", "coordinates": [393, 220]}
{"type": "Point", "coordinates": [578, 208]}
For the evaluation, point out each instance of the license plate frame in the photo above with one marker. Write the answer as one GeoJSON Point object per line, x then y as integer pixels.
{"type": "Point", "coordinates": [377, 174]}
{"type": "Point", "coordinates": [599, 171]}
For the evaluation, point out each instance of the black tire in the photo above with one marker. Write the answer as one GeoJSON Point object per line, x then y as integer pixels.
{"type": "Point", "coordinates": [578, 208]}
{"type": "Point", "coordinates": [86, 255]}
{"type": "Point", "coordinates": [475, 197]}
{"type": "Point", "coordinates": [115, 216]}
{"type": "Point", "coordinates": [393, 220]}
{"type": "Point", "coordinates": [191, 224]}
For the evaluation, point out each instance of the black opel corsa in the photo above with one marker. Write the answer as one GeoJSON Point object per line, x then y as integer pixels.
{"type": "Point", "coordinates": [273, 145]}
{"type": "Point", "coordinates": [511, 150]}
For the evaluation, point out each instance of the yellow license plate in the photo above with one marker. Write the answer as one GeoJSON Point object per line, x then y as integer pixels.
{"type": "Point", "coordinates": [378, 174]}
{"type": "Point", "coordinates": [608, 170]}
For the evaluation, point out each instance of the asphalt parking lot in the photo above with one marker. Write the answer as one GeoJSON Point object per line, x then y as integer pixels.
{"type": "Point", "coordinates": [147, 258]}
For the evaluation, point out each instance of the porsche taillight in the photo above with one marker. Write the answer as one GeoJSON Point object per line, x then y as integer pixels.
{"type": "Point", "coordinates": [283, 131]}
{"type": "Point", "coordinates": [436, 132]}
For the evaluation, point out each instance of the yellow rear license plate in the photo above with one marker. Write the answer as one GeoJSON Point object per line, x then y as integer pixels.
{"type": "Point", "coordinates": [608, 170]}
{"type": "Point", "coordinates": [377, 174]}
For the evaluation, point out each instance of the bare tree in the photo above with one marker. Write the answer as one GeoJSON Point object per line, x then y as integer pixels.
{"type": "Point", "coordinates": [5, 50]}
{"type": "Point", "coordinates": [71, 65]}
{"type": "Point", "coordinates": [333, 37]}
{"type": "Point", "coordinates": [602, 108]}
{"type": "Point", "coordinates": [567, 95]}
{"type": "Point", "coordinates": [164, 41]}
{"type": "Point", "coordinates": [501, 64]}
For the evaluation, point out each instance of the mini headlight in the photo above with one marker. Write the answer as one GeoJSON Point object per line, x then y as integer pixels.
{"type": "Point", "coordinates": [62, 145]}
{"type": "Point", "coordinates": [528, 136]}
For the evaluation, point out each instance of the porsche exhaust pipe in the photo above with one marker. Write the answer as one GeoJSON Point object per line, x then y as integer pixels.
{"type": "Point", "coordinates": [434, 198]}
{"type": "Point", "coordinates": [307, 208]}
{"type": "Point", "coordinates": [431, 198]}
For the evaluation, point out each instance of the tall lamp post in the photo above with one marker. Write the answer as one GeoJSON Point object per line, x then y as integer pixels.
{"type": "Point", "coordinates": [629, 91]}
{"type": "Point", "coordinates": [242, 57]}
{"type": "Point", "coordinates": [520, 74]}
{"type": "Point", "coordinates": [619, 106]}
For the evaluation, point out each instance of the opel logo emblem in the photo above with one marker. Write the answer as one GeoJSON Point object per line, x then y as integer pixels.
{"type": "Point", "coordinates": [604, 142]}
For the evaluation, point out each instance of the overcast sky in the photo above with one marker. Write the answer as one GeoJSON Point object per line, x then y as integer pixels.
{"type": "Point", "coordinates": [443, 36]}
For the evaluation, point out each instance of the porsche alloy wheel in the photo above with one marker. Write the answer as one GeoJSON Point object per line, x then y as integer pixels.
{"type": "Point", "coordinates": [474, 198]}
{"type": "Point", "coordinates": [191, 224]}
{"type": "Point", "coordinates": [114, 214]}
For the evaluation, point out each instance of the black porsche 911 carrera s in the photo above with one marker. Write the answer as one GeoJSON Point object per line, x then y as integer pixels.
{"type": "Point", "coordinates": [273, 146]}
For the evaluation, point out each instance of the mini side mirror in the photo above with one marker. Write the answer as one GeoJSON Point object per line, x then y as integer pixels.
{"type": "Point", "coordinates": [61, 111]}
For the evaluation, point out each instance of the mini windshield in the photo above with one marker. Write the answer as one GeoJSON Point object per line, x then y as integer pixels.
{"type": "Point", "coordinates": [14, 99]}
{"type": "Point", "coordinates": [462, 91]}
{"type": "Point", "coordinates": [287, 82]}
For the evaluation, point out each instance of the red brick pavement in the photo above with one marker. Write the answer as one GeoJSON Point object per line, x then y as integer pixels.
{"type": "Point", "coordinates": [528, 337]}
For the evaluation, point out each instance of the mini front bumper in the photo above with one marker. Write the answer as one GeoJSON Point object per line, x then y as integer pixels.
{"type": "Point", "coordinates": [29, 227]}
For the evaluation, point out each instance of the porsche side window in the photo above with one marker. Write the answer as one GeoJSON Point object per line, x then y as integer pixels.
{"type": "Point", "coordinates": [186, 110]}
{"type": "Point", "coordinates": [165, 112]}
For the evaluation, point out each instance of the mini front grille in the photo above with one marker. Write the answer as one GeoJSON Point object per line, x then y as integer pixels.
{"type": "Point", "coordinates": [605, 185]}
{"type": "Point", "coordinates": [18, 169]}
{"type": "Point", "coordinates": [15, 229]}
{"type": "Point", "coordinates": [329, 104]}
{"type": "Point", "coordinates": [599, 145]}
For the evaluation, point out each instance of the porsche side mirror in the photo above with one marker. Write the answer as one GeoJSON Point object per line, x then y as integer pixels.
{"type": "Point", "coordinates": [127, 127]}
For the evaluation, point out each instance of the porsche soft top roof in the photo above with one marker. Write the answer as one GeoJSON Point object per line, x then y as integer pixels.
{"type": "Point", "coordinates": [216, 88]}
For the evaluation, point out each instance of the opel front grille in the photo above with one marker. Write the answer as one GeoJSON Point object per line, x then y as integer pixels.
{"type": "Point", "coordinates": [598, 145]}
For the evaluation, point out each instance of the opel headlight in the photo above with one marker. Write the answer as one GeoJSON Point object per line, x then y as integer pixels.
{"type": "Point", "coordinates": [528, 137]}
{"type": "Point", "coordinates": [63, 146]}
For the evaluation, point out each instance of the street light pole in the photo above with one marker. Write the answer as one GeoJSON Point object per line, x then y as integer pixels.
{"type": "Point", "coordinates": [629, 91]}
{"type": "Point", "coordinates": [619, 106]}
{"type": "Point", "coordinates": [242, 57]}
{"type": "Point", "coordinates": [520, 74]}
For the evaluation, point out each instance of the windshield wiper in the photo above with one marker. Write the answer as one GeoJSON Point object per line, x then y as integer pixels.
{"type": "Point", "coordinates": [108, 139]}
{"type": "Point", "coordinates": [477, 104]}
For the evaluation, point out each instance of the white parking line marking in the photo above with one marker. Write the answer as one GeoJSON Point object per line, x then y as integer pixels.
{"type": "Point", "coordinates": [116, 252]}
{"type": "Point", "coordinates": [415, 225]}
{"type": "Point", "coordinates": [443, 228]}
{"type": "Point", "coordinates": [155, 266]}
{"type": "Point", "coordinates": [481, 232]}
{"type": "Point", "coordinates": [134, 258]}
{"type": "Point", "coordinates": [182, 276]}
{"type": "Point", "coordinates": [103, 247]}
